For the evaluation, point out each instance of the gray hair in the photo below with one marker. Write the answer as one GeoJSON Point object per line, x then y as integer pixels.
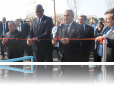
{"type": "Point", "coordinates": [38, 6]}
{"type": "Point", "coordinates": [85, 17]}
{"type": "Point", "coordinates": [12, 22]}
{"type": "Point", "coordinates": [72, 12]}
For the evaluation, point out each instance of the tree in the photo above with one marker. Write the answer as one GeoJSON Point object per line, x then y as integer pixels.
{"type": "Point", "coordinates": [110, 3]}
{"type": "Point", "coordinates": [74, 5]}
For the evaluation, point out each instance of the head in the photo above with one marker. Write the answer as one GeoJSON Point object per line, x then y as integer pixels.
{"type": "Point", "coordinates": [109, 17]}
{"type": "Point", "coordinates": [82, 19]}
{"type": "Point", "coordinates": [39, 10]}
{"type": "Point", "coordinates": [100, 24]}
{"type": "Point", "coordinates": [57, 23]}
{"type": "Point", "coordinates": [101, 19]}
{"type": "Point", "coordinates": [68, 16]}
{"type": "Point", "coordinates": [95, 21]}
{"type": "Point", "coordinates": [4, 20]}
{"type": "Point", "coordinates": [11, 25]}
{"type": "Point", "coordinates": [24, 21]}
{"type": "Point", "coordinates": [28, 22]}
{"type": "Point", "coordinates": [17, 22]}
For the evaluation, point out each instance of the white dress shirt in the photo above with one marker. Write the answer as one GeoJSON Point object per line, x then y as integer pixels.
{"type": "Point", "coordinates": [54, 30]}
{"type": "Point", "coordinates": [19, 27]}
{"type": "Point", "coordinates": [3, 29]}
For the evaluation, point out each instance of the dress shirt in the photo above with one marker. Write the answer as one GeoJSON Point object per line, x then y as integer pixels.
{"type": "Point", "coordinates": [19, 27]}
{"type": "Point", "coordinates": [84, 26]}
{"type": "Point", "coordinates": [3, 29]}
{"type": "Point", "coordinates": [104, 34]}
{"type": "Point", "coordinates": [40, 19]}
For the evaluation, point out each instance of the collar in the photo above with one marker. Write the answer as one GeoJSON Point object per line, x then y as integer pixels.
{"type": "Point", "coordinates": [69, 24]}
{"type": "Point", "coordinates": [112, 27]}
{"type": "Point", "coordinates": [3, 23]}
{"type": "Point", "coordinates": [12, 32]}
{"type": "Point", "coordinates": [40, 18]}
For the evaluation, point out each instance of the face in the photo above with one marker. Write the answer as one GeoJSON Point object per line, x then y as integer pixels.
{"type": "Point", "coordinates": [57, 24]}
{"type": "Point", "coordinates": [82, 20]}
{"type": "Point", "coordinates": [4, 20]}
{"type": "Point", "coordinates": [39, 12]}
{"type": "Point", "coordinates": [100, 26]}
{"type": "Point", "coordinates": [108, 20]}
{"type": "Point", "coordinates": [17, 22]}
{"type": "Point", "coordinates": [11, 26]}
{"type": "Point", "coordinates": [94, 21]}
{"type": "Point", "coordinates": [68, 17]}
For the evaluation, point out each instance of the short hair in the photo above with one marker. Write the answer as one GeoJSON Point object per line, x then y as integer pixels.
{"type": "Point", "coordinates": [110, 11]}
{"type": "Point", "coordinates": [38, 6]}
{"type": "Point", "coordinates": [4, 17]}
{"type": "Point", "coordinates": [84, 17]}
{"type": "Point", "coordinates": [18, 20]}
{"type": "Point", "coordinates": [58, 22]}
{"type": "Point", "coordinates": [12, 22]}
{"type": "Point", "coordinates": [72, 12]}
{"type": "Point", "coordinates": [101, 23]}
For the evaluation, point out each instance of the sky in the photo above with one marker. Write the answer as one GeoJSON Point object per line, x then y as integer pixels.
{"type": "Point", "coordinates": [12, 9]}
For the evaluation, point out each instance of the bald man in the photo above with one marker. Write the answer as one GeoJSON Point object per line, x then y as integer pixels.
{"type": "Point", "coordinates": [41, 28]}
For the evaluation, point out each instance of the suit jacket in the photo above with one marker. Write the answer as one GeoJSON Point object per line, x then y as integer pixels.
{"type": "Point", "coordinates": [1, 29]}
{"type": "Point", "coordinates": [88, 33]}
{"type": "Point", "coordinates": [13, 45]}
{"type": "Point", "coordinates": [25, 30]}
{"type": "Point", "coordinates": [43, 32]}
{"type": "Point", "coordinates": [110, 45]}
{"type": "Point", "coordinates": [72, 51]}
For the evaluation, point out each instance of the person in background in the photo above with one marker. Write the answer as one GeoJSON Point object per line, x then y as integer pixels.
{"type": "Point", "coordinates": [99, 29]}
{"type": "Point", "coordinates": [95, 21]}
{"type": "Point", "coordinates": [3, 30]}
{"type": "Point", "coordinates": [54, 30]}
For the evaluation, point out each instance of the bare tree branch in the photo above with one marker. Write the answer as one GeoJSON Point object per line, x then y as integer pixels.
{"type": "Point", "coordinates": [110, 3]}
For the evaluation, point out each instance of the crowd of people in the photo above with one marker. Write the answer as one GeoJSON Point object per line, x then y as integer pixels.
{"type": "Point", "coordinates": [41, 35]}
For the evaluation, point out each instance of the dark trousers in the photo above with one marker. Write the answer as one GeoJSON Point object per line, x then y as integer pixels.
{"type": "Point", "coordinates": [27, 48]}
{"type": "Point", "coordinates": [16, 76]}
{"type": "Point", "coordinates": [86, 53]}
{"type": "Point", "coordinates": [97, 58]}
{"type": "Point", "coordinates": [2, 48]}
{"type": "Point", "coordinates": [44, 73]}
{"type": "Point", "coordinates": [86, 75]}
{"type": "Point", "coordinates": [44, 57]}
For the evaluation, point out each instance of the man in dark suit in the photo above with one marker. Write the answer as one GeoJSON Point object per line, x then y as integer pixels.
{"type": "Point", "coordinates": [24, 28]}
{"type": "Point", "coordinates": [41, 28]}
{"type": "Point", "coordinates": [13, 48]}
{"type": "Point", "coordinates": [70, 50]}
{"type": "Point", "coordinates": [87, 45]}
{"type": "Point", "coordinates": [3, 30]}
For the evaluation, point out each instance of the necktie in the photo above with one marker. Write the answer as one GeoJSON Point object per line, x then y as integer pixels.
{"type": "Point", "coordinates": [99, 50]}
{"type": "Point", "coordinates": [4, 30]}
{"type": "Point", "coordinates": [66, 30]}
{"type": "Point", "coordinates": [38, 24]}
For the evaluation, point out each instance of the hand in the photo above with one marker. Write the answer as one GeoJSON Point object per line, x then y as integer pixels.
{"type": "Point", "coordinates": [99, 38]}
{"type": "Point", "coordinates": [91, 53]}
{"type": "Point", "coordinates": [29, 41]}
{"type": "Point", "coordinates": [54, 42]}
{"type": "Point", "coordinates": [4, 41]}
{"type": "Point", "coordinates": [65, 40]}
{"type": "Point", "coordinates": [33, 39]}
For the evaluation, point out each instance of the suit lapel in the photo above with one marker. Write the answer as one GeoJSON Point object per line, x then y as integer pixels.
{"type": "Point", "coordinates": [112, 32]}
{"type": "Point", "coordinates": [71, 28]}
{"type": "Point", "coordinates": [35, 21]}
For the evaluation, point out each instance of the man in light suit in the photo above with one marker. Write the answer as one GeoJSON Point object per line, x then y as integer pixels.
{"type": "Point", "coordinates": [41, 28]}
{"type": "Point", "coordinates": [3, 30]}
{"type": "Point", "coordinates": [70, 50]}
{"type": "Point", "coordinates": [108, 32]}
